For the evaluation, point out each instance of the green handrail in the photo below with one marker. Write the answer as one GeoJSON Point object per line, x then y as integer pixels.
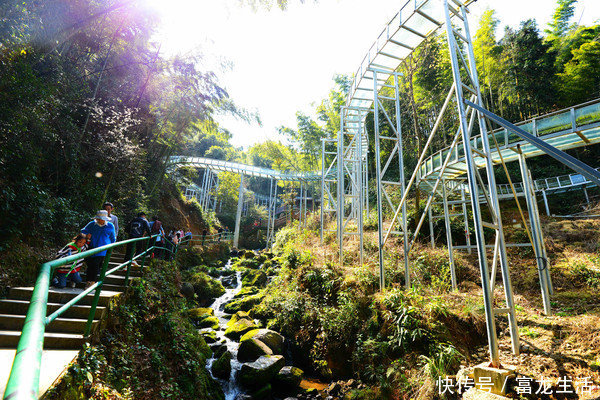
{"type": "Point", "coordinates": [23, 382]}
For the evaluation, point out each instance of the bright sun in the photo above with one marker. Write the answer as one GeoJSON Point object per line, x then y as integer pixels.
{"type": "Point", "coordinates": [187, 24]}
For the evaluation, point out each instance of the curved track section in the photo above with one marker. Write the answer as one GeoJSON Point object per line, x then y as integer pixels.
{"type": "Point", "coordinates": [243, 169]}
{"type": "Point", "coordinates": [565, 129]}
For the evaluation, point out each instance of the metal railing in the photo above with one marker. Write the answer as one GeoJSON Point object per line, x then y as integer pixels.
{"type": "Point", "coordinates": [23, 382]}
{"type": "Point", "coordinates": [563, 123]}
{"type": "Point", "coordinates": [212, 239]}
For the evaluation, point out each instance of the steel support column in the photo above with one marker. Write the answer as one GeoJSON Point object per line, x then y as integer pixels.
{"type": "Point", "coordinates": [536, 231]}
{"type": "Point", "coordinates": [238, 214]}
{"type": "Point", "coordinates": [449, 236]}
{"type": "Point", "coordinates": [488, 296]}
{"type": "Point", "coordinates": [466, 218]}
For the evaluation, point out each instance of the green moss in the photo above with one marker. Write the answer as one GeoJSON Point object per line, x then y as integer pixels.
{"type": "Point", "coordinates": [221, 368]}
{"type": "Point", "coordinates": [254, 278]}
{"type": "Point", "coordinates": [200, 313]}
{"type": "Point", "coordinates": [206, 288]}
{"type": "Point", "coordinates": [246, 291]}
{"type": "Point", "coordinates": [236, 330]}
{"type": "Point", "coordinates": [244, 304]}
{"type": "Point", "coordinates": [252, 263]}
{"type": "Point", "coordinates": [210, 322]}
{"type": "Point", "coordinates": [149, 349]}
{"type": "Point", "coordinates": [238, 316]}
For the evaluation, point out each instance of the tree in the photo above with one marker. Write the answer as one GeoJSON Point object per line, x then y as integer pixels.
{"type": "Point", "coordinates": [580, 80]}
{"type": "Point", "coordinates": [528, 86]}
{"type": "Point", "coordinates": [560, 19]}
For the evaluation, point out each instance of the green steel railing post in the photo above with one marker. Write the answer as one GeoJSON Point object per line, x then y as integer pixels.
{"type": "Point", "coordinates": [131, 255]}
{"type": "Point", "coordinates": [88, 327]}
{"type": "Point", "coordinates": [24, 379]}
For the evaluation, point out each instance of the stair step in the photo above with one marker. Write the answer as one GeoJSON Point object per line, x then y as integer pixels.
{"type": "Point", "coordinates": [111, 280]}
{"type": "Point", "coordinates": [20, 307]}
{"type": "Point", "coordinates": [62, 295]}
{"type": "Point", "coordinates": [106, 286]}
{"type": "Point", "coordinates": [10, 322]}
{"type": "Point", "coordinates": [10, 339]}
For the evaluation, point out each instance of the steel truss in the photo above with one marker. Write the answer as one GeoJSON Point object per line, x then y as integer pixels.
{"type": "Point", "coordinates": [351, 162]}
{"type": "Point", "coordinates": [391, 175]}
{"type": "Point", "coordinates": [328, 184]}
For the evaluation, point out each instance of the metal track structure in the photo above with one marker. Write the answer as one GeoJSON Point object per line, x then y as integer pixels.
{"type": "Point", "coordinates": [416, 21]}
{"type": "Point", "coordinates": [390, 176]}
{"type": "Point", "coordinates": [210, 178]}
{"type": "Point", "coordinates": [351, 161]}
{"type": "Point", "coordinates": [328, 185]}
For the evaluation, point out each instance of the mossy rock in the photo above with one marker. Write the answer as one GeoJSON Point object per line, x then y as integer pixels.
{"type": "Point", "coordinates": [247, 291]}
{"type": "Point", "coordinates": [210, 322]}
{"type": "Point", "coordinates": [200, 313]}
{"type": "Point", "coordinates": [244, 304]}
{"type": "Point", "coordinates": [251, 263]}
{"type": "Point", "coordinates": [221, 368]}
{"type": "Point", "coordinates": [251, 349]}
{"type": "Point", "coordinates": [289, 377]}
{"type": "Point", "coordinates": [248, 254]}
{"type": "Point", "coordinates": [236, 330]}
{"type": "Point", "coordinates": [218, 348]}
{"type": "Point", "coordinates": [260, 372]}
{"type": "Point", "coordinates": [263, 393]}
{"type": "Point", "coordinates": [209, 335]}
{"type": "Point", "coordinates": [254, 278]}
{"type": "Point", "coordinates": [237, 317]}
{"type": "Point", "coordinates": [273, 340]}
{"type": "Point", "coordinates": [206, 288]}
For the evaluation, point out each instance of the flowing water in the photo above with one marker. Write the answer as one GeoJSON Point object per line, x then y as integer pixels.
{"type": "Point", "coordinates": [230, 387]}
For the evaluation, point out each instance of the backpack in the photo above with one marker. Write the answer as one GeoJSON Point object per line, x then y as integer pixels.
{"type": "Point", "coordinates": [156, 227]}
{"type": "Point", "coordinates": [135, 229]}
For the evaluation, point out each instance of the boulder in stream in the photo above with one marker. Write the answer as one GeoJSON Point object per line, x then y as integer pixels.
{"type": "Point", "coordinates": [209, 335]}
{"type": "Point", "coordinates": [218, 348]}
{"type": "Point", "coordinates": [260, 372]}
{"type": "Point", "coordinates": [254, 278]}
{"type": "Point", "coordinates": [221, 368]}
{"type": "Point", "coordinates": [274, 340]}
{"type": "Point", "coordinates": [250, 349]}
{"type": "Point", "coordinates": [236, 330]}
{"type": "Point", "coordinates": [210, 322]}
{"type": "Point", "coordinates": [289, 376]}
{"type": "Point", "coordinates": [187, 289]}
{"type": "Point", "coordinates": [243, 304]}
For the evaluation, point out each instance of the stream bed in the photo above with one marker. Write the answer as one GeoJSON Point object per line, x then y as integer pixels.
{"type": "Point", "coordinates": [230, 387]}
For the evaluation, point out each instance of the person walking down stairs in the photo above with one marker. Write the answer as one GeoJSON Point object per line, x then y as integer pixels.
{"type": "Point", "coordinates": [70, 271]}
{"type": "Point", "coordinates": [100, 232]}
{"type": "Point", "coordinates": [137, 228]}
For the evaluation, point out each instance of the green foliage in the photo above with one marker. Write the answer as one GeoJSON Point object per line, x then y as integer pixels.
{"type": "Point", "coordinates": [585, 275]}
{"type": "Point", "coordinates": [149, 350]}
{"type": "Point", "coordinates": [206, 288]}
{"type": "Point", "coordinates": [443, 360]}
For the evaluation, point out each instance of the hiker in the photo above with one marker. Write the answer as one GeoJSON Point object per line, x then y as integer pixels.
{"type": "Point", "coordinates": [171, 242]}
{"type": "Point", "coordinates": [70, 271]}
{"type": "Point", "coordinates": [108, 206]}
{"type": "Point", "coordinates": [220, 232]}
{"type": "Point", "coordinates": [136, 228]}
{"type": "Point", "coordinates": [157, 228]}
{"type": "Point", "coordinates": [100, 232]}
{"type": "Point", "coordinates": [204, 233]}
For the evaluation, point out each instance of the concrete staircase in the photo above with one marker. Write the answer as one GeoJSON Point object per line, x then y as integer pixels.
{"type": "Point", "coordinates": [64, 336]}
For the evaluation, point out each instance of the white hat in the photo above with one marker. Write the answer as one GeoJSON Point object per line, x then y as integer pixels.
{"type": "Point", "coordinates": [102, 214]}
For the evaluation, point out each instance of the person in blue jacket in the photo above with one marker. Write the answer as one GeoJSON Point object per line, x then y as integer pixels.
{"type": "Point", "coordinates": [100, 232]}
